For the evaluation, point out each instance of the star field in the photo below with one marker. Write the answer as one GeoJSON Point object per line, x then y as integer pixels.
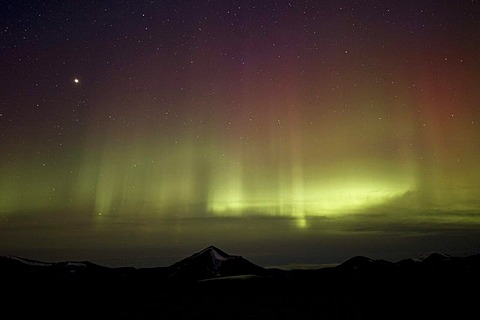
{"type": "Point", "coordinates": [326, 127]}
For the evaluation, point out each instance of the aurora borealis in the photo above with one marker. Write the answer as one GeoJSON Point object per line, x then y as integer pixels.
{"type": "Point", "coordinates": [142, 128]}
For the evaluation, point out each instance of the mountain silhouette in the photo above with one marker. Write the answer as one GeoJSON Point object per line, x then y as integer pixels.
{"type": "Point", "coordinates": [433, 286]}
{"type": "Point", "coordinates": [361, 263]}
{"type": "Point", "coordinates": [212, 262]}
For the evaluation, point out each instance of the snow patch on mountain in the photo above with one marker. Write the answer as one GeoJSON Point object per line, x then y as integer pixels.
{"type": "Point", "coordinates": [215, 255]}
{"type": "Point", "coordinates": [76, 264]}
{"type": "Point", "coordinates": [431, 255]}
{"type": "Point", "coordinates": [31, 262]}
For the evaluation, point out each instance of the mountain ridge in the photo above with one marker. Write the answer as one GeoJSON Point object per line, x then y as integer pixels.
{"type": "Point", "coordinates": [216, 258]}
{"type": "Point", "coordinates": [216, 285]}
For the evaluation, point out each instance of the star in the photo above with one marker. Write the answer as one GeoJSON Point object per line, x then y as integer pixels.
{"type": "Point", "coordinates": [76, 80]}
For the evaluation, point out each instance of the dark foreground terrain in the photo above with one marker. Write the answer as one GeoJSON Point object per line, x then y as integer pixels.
{"type": "Point", "coordinates": [214, 285]}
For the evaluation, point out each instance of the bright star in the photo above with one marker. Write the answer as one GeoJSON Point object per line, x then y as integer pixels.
{"type": "Point", "coordinates": [76, 80]}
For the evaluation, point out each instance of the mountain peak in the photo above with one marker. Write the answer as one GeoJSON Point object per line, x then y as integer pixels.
{"type": "Point", "coordinates": [212, 262]}
{"type": "Point", "coordinates": [212, 251]}
{"type": "Point", "coordinates": [361, 263]}
{"type": "Point", "coordinates": [432, 256]}
{"type": "Point", "coordinates": [436, 257]}
{"type": "Point", "coordinates": [212, 248]}
{"type": "Point", "coordinates": [211, 256]}
{"type": "Point", "coordinates": [356, 262]}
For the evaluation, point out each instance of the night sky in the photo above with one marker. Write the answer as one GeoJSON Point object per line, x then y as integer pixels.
{"type": "Point", "coordinates": [139, 132]}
